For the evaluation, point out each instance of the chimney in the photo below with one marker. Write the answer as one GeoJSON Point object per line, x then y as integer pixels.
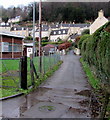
{"type": "Point", "coordinates": [101, 13]}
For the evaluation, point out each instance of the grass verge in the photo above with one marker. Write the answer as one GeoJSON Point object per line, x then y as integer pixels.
{"type": "Point", "coordinates": [94, 82]}
{"type": "Point", "coordinates": [96, 85]}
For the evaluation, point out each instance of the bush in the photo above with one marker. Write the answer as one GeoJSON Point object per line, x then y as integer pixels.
{"type": "Point", "coordinates": [82, 39]}
{"type": "Point", "coordinates": [87, 31]}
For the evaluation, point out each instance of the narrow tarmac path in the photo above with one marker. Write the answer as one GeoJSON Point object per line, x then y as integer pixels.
{"type": "Point", "coordinates": [64, 95]}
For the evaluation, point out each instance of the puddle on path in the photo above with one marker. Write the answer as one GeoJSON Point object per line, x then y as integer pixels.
{"type": "Point", "coordinates": [30, 99]}
{"type": "Point", "coordinates": [47, 108]}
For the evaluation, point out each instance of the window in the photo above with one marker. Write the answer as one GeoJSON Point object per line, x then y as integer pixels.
{"type": "Point", "coordinates": [10, 47]}
{"type": "Point", "coordinates": [15, 29]}
{"type": "Point", "coordinates": [59, 32]}
{"type": "Point", "coordinates": [64, 31]}
{"type": "Point", "coordinates": [54, 33]}
{"type": "Point", "coordinates": [4, 46]}
{"type": "Point", "coordinates": [17, 47]}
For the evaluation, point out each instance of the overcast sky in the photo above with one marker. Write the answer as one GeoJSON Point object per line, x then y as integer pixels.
{"type": "Point", "coordinates": [8, 3]}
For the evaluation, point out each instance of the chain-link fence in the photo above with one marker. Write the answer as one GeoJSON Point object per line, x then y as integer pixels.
{"type": "Point", "coordinates": [10, 72]}
{"type": "Point", "coordinates": [47, 63]}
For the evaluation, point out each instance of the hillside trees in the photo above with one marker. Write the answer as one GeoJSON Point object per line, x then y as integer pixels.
{"type": "Point", "coordinates": [59, 11]}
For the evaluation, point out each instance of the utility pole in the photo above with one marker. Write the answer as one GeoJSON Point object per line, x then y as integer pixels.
{"type": "Point", "coordinates": [40, 37]}
{"type": "Point", "coordinates": [33, 29]}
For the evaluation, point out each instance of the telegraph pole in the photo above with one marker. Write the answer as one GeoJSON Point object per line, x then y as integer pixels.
{"type": "Point", "coordinates": [40, 38]}
{"type": "Point", "coordinates": [33, 29]}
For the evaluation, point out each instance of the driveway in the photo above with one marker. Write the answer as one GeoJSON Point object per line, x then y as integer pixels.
{"type": "Point", "coordinates": [64, 95]}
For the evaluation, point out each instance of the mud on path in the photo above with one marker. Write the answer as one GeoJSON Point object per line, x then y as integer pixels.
{"type": "Point", "coordinates": [64, 95]}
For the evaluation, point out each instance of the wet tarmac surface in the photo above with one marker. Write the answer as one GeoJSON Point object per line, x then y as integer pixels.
{"type": "Point", "coordinates": [64, 95]}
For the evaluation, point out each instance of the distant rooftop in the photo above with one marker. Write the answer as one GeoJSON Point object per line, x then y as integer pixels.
{"type": "Point", "coordinates": [55, 26]}
{"type": "Point", "coordinates": [10, 34]}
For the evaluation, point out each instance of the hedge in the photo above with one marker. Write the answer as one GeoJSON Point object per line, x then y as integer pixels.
{"type": "Point", "coordinates": [82, 39]}
{"type": "Point", "coordinates": [95, 49]}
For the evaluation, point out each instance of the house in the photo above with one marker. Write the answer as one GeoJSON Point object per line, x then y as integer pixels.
{"type": "Point", "coordinates": [45, 31]}
{"type": "Point", "coordinates": [14, 20]}
{"type": "Point", "coordinates": [56, 35]}
{"type": "Point", "coordinates": [5, 27]}
{"type": "Point", "coordinates": [100, 21]}
{"type": "Point", "coordinates": [49, 49]}
{"type": "Point", "coordinates": [11, 45]}
{"type": "Point", "coordinates": [23, 31]}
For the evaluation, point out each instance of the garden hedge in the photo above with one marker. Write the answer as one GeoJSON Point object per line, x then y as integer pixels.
{"type": "Point", "coordinates": [95, 50]}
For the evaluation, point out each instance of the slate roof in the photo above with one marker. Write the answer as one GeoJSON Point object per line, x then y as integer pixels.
{"type": "Point", "coordinates": [10, 34]}
{"type": "Point", "coordinates": [46, 28]}
{"type": "Point", "coordinates": [49, 46]}
{"type": "Point", "coordinates": [59, 32]}
{"type": "Point", "coordinates": [81, 25]}
{"type": "Point", "coordinates": [75, 25]}
{"type": "Point", "coordinates": [67, 25]}
{"type": "Point", "coordinates": [55, 26]}
{"type": "Point", "coordinates": [74, 36]}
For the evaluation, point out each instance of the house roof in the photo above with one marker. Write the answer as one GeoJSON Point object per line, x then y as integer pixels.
{"type": "Point", "coordinates": [55, 26]}
{"type": "Point", "coordinates": [67, 25]}
{"type": "Point", "coordinates": [59, 32]}
{"type": "Point", "coordinates": [46, 28]}
{"type": "Point", "coordinates": [28, 44]}
{"type": "Point", "coordinates": [81, 25]}
{"type": "Point", "coordinates": [75, 25]}
{"type": "Point", "coordinates": [10, 34]}
{"type": "Point", "coordinates": [74, 36]}
{"type": "Point", "coordinates": [49, 46]}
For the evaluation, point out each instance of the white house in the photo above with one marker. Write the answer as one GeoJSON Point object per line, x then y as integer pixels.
{"type": "Point", "coordinates": [5, 27]}
{"type": "Point", "coordinates": [16, 19]}
{"type": "Point", "coordinates": [100, 21]}
{"type": "Point", "coordinates": [45, 31]}
{"type": "Point", "coordinates": [20, 31]}
{"type": "Point", "coordinates": [59, 34]}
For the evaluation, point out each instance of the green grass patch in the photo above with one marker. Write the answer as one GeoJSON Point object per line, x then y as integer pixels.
{"type": "Point", "coordinates": [9, 65]}
{"type": "Point", "coordinates": [8, 92]}
{"type": "Point", "coordinates": [91, 77]}
{"type": "Point", "coordinates": [5, 92]}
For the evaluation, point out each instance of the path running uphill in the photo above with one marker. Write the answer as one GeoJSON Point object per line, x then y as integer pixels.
{"type": "Point", "coordinates": [64, 95]}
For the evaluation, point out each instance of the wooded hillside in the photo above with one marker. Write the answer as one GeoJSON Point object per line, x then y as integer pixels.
{"type": "Point", "coordinates": [58, 12]}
